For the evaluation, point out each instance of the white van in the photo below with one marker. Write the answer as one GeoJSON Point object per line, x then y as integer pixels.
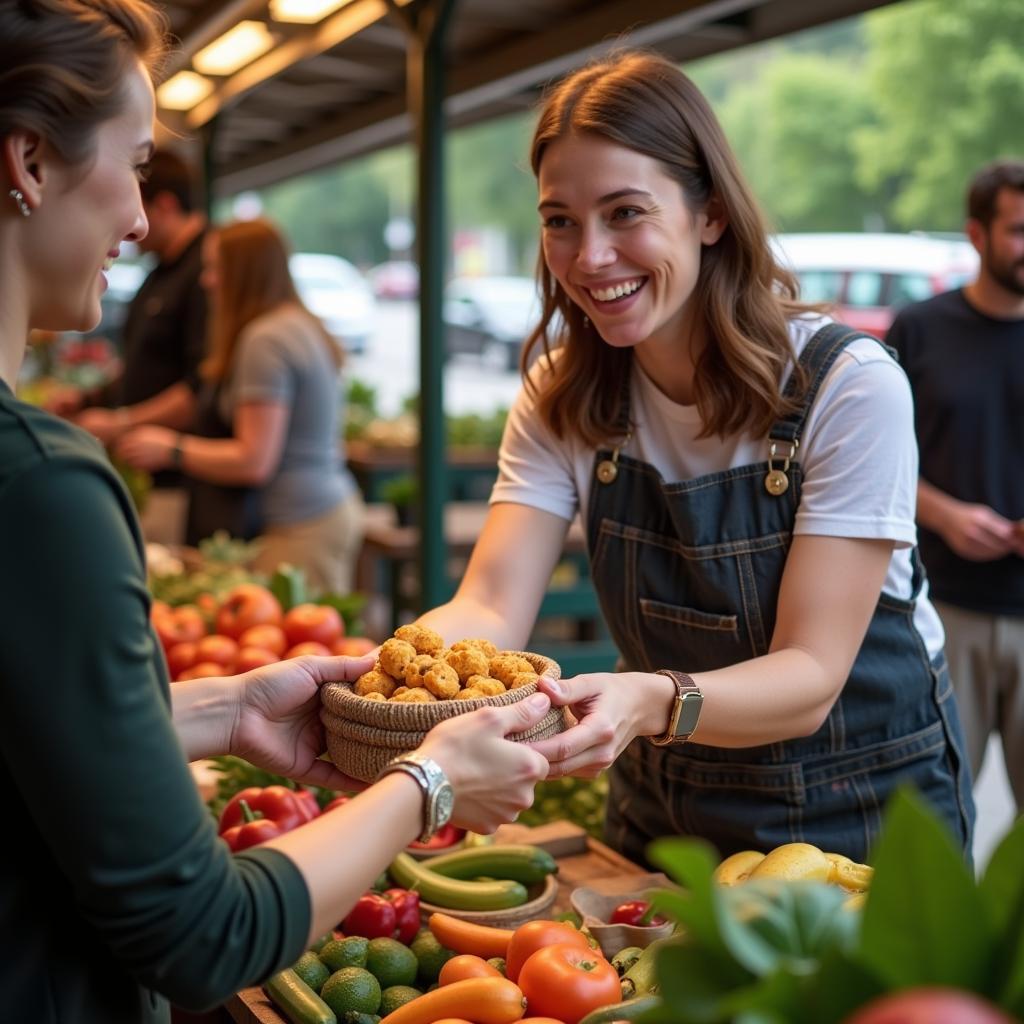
{"type": "Point", "coordinates": [868, 277]}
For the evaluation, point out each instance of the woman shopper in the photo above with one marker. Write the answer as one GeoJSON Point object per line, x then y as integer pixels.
{"type": "Point", "coordinates": [264, 460]}
{"type": "Point", "coordinates": [112, 878]}
{"type": "Point", "coordinates": [745, 472]}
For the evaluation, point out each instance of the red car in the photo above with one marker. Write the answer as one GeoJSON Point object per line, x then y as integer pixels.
{"type": "Point", "coordinates": [868, 277]}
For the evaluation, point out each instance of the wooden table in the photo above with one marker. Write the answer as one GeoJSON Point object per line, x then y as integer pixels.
{"type": "Point", "coordinates": [581, 861]}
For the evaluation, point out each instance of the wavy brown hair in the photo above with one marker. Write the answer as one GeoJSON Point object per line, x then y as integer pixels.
{"type": "Point", "coordinates": [63, 65]}
{"type": "Point", "coordinates": [744, 296]}
{"type": "Point", "coordinates": [252, 279]}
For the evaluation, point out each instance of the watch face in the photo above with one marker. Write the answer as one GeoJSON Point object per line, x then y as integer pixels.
{"type": "Point", "coordinates": [444, 804]}
{"type": "Point", "coordinates": [689, 713]}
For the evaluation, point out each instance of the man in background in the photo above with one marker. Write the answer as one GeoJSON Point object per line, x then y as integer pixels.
{"type": "Point", "coordinates": [163, 338]}
{"type": "Point", "coordinates": [964, 354]}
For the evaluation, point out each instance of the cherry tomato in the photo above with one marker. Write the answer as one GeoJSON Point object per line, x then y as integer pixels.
{"type": "Point", "coordinates": [568, 981]}
{"type": "Point", "coordinates": [633, 912]}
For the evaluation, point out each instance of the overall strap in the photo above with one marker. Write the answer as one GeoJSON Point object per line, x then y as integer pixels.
{"type": "Point", "coordinates": [816, 359]}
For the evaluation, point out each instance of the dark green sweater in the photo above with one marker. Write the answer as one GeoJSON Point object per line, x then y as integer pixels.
{"type": "Point", "coordinates": [113, 883]}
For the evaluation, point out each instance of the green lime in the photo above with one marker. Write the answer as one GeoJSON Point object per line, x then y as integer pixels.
{"type": "Point", "coordinates": [350, 952]}
{"type": "Point", "coordinates": [355, 1017]}
{"type": "Point", "coordinates": [395, 996]}
{"type": "Point", "coordinates": [311, 969]}
{"type": "Point", "coordinates": [498, 963]}
{"type": "Point", "coordinates": [430, 955]}
{"type": "Point", "coordinates": [351, 988]}
{"type": "Point", "coordinates": [391, 962]}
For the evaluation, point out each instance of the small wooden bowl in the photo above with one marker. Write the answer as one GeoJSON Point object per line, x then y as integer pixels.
{"type": "Point", "coordinates": [597, 907]}
{"type": "Point", "coordinates": [542, 899]}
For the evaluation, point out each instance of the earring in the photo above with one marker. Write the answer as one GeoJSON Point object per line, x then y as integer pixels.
{"type": "Point", "coordinates": [19, 198]}
{"type": "Point", "coordinates": [586, 322]}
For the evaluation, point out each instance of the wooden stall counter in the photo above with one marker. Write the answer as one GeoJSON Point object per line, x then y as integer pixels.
{"type": "Point", "coordinates": [582, 860]}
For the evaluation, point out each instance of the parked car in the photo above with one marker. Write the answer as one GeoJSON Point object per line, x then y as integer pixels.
{"type": "Point", "coordinates": [395, 279]}
{"type": "Point", "coordinates": [868, 277]}
{"type": "Point", "coordinates": [490, 317]}
{"type": "Point", "coordinates": [336, 292]}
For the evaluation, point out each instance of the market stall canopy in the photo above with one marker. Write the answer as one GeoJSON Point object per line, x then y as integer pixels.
{"type": "Point", "coordinates": [305, 94]}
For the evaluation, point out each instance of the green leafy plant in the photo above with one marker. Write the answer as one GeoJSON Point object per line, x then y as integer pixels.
{"type": "Point", "coordinates": [790, 954]}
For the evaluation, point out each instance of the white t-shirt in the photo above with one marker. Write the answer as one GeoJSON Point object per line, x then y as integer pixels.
{"type": "Point", "coordinates": [857, 451]}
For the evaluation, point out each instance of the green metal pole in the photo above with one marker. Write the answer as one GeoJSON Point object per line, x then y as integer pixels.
{"type": "Point", "coordinates": [426, 74]}
{"type": "Point", "coordinates": [209, 169]}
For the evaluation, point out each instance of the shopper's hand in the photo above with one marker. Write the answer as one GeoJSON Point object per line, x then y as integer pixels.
{"type": "Point", "coordinates": [493, 777]}
{"type": "Point", "coordinates": [149, 448]}
{"type": "Point", "coordinates": [277, 725]}
{"type": "Point", "coordinates": [104, 424]}
{"type": "Point", "coordinates": [610, 709]}
{"type": "Point", "coordinates": [978, 533]}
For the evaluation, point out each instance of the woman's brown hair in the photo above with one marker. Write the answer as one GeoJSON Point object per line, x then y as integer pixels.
{"type": "Point", "coordinates": [252, 279]}
{"type": "Point", "coordinates": [643, 102]}
{"type": "Point", "coordinates": [63, 65]}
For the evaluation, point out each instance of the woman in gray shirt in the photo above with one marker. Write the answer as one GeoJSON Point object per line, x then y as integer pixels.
{"type": "Point", "coordinates": [265, 460]}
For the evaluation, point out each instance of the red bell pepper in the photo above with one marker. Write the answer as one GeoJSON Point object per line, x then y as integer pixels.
{"type": "Point", "coordinates": [338, 801]}
{"type": "Point", "coordinates": [251, 832]}
{"type": "Point", "coordinates": [279, 804]}
{"type": "Point", "coordinates": [636, 912]}
{"type": "Point", "coordinates": [308, 800]}
{"type": "Point", "coordinates": [446, 835]}
{"type": "Point", "coordinates": [407, 913]}
{"type": "Point", "coordinates": [373, 917]}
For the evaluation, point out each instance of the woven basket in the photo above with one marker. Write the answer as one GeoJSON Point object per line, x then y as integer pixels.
{"type": "Point", "coordinates": [543, 897]}
{"type": "Point", "coordinates": [364, 735]}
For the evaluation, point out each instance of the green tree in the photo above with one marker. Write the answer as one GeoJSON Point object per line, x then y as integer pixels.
{"type": "Point", "coordinates": [947, 81]}
{"type": "Point", "coordinates": [793, 129]}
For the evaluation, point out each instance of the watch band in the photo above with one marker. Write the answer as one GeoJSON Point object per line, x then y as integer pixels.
{"type": "Point", "coordinates": [437, 791]}
{"type": "Point", "coordinates": [686, 691]}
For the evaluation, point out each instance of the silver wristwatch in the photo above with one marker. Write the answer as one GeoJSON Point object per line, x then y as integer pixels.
{"type": "Point", "coordinates": [438, 795]}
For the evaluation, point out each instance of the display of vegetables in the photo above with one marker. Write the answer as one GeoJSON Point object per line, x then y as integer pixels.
{"type": "Point", "coordinates": [580, 801]}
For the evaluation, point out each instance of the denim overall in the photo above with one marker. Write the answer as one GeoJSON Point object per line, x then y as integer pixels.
{"type": "Point", "coordinates": [688, 576]}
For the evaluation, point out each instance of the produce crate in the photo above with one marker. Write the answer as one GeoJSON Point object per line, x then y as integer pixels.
{"type": "Point", "coordinates": [582, 860]}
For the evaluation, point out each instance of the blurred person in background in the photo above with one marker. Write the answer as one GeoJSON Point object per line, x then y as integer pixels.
{"type": "Point", "coordinates": [163, 339]}
{"type": "Point", "coordinates": [964, 354]}
{"type": "Point", "coordinates": [265, 457]}
{"type": "Point", "coordinates": [116, 893]}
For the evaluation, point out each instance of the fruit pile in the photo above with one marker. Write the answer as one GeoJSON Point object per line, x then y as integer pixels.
{"type": "Point", "coordinates": [581, 801]}
{"type": "Point", "coordinates": [414, 666]}
{"type": "Point", "coordinates": [247, 629]}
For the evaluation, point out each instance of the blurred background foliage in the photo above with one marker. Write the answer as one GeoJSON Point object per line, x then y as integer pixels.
{"type": "Point", "coordinates": [872, 123]}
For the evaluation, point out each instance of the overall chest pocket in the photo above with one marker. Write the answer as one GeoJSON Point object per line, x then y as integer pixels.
{"type": "Point", "coordinates": [669, 605]}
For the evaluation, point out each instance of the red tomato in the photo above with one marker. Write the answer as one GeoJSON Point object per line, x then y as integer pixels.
{"type": "Point", "coordinates": [219, 649]}
{"type": "Point", "coordinates": [253, 657]}
{"type": "Point", "coordinates": [569, 981]}
{"type": "Point", "coordinates": [179, 625]}
{"type": "Point", "coordinates": [203, 670]}
{"type": "Point", "coordinates": [247, 605]}
{"type": "Point", "coordinates": [308, 647]}
{"type": "Point", "coordinates": [267, 637]}
{"type": "Point", "coordinates": [338, 801]}
{"type": "Point", "coordinates": [181, 657]}
{"type": "Point", "coordinates": [534, 935]}
{"type": "Point", "coordinates": [316, 622]}
{"type": "Point", "coordinates": [353, 646]}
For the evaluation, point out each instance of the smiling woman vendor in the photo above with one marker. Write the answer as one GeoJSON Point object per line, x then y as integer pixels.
{"type": "Point", "coordinates": [745, 470]}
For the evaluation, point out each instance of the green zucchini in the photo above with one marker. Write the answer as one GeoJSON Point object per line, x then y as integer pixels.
{"type": "Point", "coordinates": [521, 863]}
{"type": "Point", "coordinates": [454, 893]}
{"type": "Point", "coordinates": [630, 1009]}
{"type": "Point", "coordinates": [299, 1003]}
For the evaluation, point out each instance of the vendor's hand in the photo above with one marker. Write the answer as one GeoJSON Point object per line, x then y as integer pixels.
{"type": "Point", "coordinates": [149, 448]}
{"type": "Point", "coordinates": [277, 725]}
{"type": "Point", "coordinates": [978, 533]}
{"type": "Point", "coordinates": [610, 709]}
{"type": "Point", "coordinates": [493, 777]}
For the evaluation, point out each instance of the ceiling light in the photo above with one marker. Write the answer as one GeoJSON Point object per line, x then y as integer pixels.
{"type": "Point", "coordinates": [183, 91]}
{"type": "Point", "coordinates": [236, 48]}
{"type": "Point", "coordinates": [305, 11]}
